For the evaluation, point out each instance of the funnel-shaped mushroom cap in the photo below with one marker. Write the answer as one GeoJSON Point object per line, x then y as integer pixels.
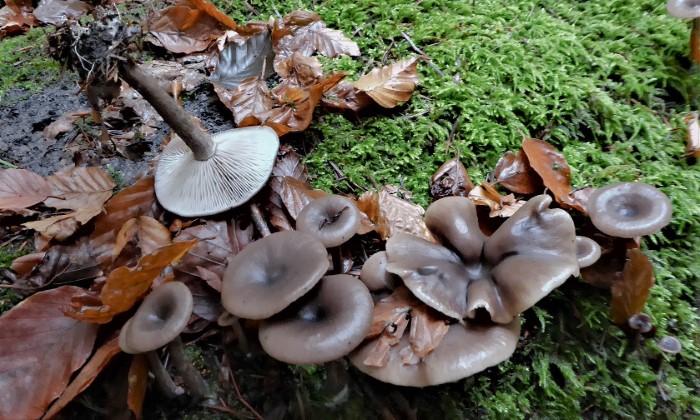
{"type": "Point", "coordinates": [683, 9]}
{"type": "Point", "coordinates": [629, 209]}
{"type": "Point", "coordinates": [587, 251]}
{"type": "Point", "coordinates": [161, 317]}
{"type": "Point", "coordinates": [272, 272]}
{"type": "Point", "coordinates": [327, 325]}
{"type": "Point", "coordinates": [333, 219]}
{"type": "Point", "coordinates": [374, 274]}
{"type": "Point", "coordinates": [464, 351]}
{"type": "Point", "coordinates": [454, 222]}
{"type": "Point", "coordinates": [240, 167]}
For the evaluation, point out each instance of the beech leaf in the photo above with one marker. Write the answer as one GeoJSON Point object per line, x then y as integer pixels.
{"type": "Point", "coordinates": [311, 36]}
{"type": "Point", "coordinates": [500, 205]}
{"type": "Point", "coordinates": [631, 291]}
{"type": "Point", "coordinates": [54, 12]}
{"type": "Point", "coordinates": [552, 167]}
{"type": "Point", "coordinates": [40, 348]}
{"type": "Point", "coordinates": [391, 214]}
{"type": "Point", "coordinates": [251, 97]}
{"type": "Point", "coordinates": [513, 171]}
{"type": "Point", "coordinates": [451, 179]}
{"type": "Point", "coordinates": [151, 235]}
{"type": "Point", "coordinates": [20, 188]}
{"type": "Point", "coordinates": [427, 331]}
{"type": "Point", "coordinates": [61, 227]}
{"type": "Point", "coordinates": [63, 123]}
{"type": "Point", "coordinates": [138, 381]}
{"type": "Point", "coordinates": [79, 188]}
{"type": "Point", "coordinates": [345, 96]}
{"type": "Point", "coordinates": [391, 84]}
{"type": "Point", "coordinates": [241, 61]}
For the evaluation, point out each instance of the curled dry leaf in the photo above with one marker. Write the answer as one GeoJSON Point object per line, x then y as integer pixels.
{"type": "Point", "coordinates": [20, 188]}
{"type": "Point", "coordinates": [345, 96]}
{"type": "Point", "coordinates": [79, 188]}
{"type": "Point", "coordinates": [499, 205]}
{"type": "Point", "coordinates": [451, 179]}
{"type": "Point", "coordinates": [306, 34]}
{"type": "Point", "coordinates": [250, 97]}
{"type": "Point", "coordinates": [391, 84]}
{"type": "Point", "coordinates": [631, 291]}
{"type": "Point", "coordinates": [16, 17]}
{"type": "Point", "coordinates": [62, 124]}
{"type": "Point", "coordinates": [513, 171]}
{"type": "Point", "coordinates": [243, 59]}
{"type": "Point", "coordinates": [692, 147]}
{"type": "Point", "coordinates": [391, 214]}
{"type": "Point", "coordinates": [61, 227]}
{"type": "Point", "coordinates": [300, 70]}
{"type": "Point", "coordinates": [54, 12]}
{"type": "Point", "coordinates": [296, 195]}
{"type": "Point", "coordinates": [138, 382]}
{"type": "Point", "coordinates": [40, 348]}
{"type": "Point", "coordinates": [150, 235]}
{"type": "Point", "coordinates": [427, 331]}
{"type": "Point", "coordinates": [288, 164]}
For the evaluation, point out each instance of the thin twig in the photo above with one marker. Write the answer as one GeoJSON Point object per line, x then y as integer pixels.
{"type": "Point", "coordinates": [259, 220]}
{"type": "Point", "coordinates": [453, 132]}
{"type": "Point", "coordinates": [426, 56]}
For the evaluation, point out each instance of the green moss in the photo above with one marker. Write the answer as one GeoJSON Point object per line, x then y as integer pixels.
{"type": "Point", "coordinates": [24, 64]}
{"type": "Point", "coordinates": [8, 297]}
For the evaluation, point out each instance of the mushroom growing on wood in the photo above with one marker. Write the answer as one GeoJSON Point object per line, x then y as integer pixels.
{"type": "Point", "coordinates": [199, 174]}
{"type": "Point", "coordinates": [629, 209]}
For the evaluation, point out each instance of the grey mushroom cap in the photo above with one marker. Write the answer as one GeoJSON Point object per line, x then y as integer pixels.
{"type": "Point", "coordinates": [271, 273]}
{"type": "Point", "coordinates": [464, 351]}
{"type": "Point", "coordinates": [683, 9]}
{"type": "Point", "coordinates": [333, 219]}
{"type": "Point", "coordinates": [454, 222]}
{"type": "Point", "coordinates": [587, 251]}
{"type": "Point", "coordinates": [329, 324]}
{"type": "Point", "coordinates": [240, 167]}
{"type": "Point", "coordinates": [162, 316]}
{"type": "Point", "coordinates": [629, 209]}
{"type": "Point", "coordinates": [374, 274]}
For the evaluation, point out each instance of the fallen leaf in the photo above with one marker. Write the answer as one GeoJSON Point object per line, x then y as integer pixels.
{"type": "Point", "coordinates": [59, 265]}
{"type": "Point", "coordinates": [16, 17]}
{"type": "Point", "coordinates": [299, 70]}
{"type": "Point", "coordinates": [451, 179]}
{"type": "Point", "coordinates": [499, 205]}
{"type": "Point", "coordinates": [288, 164]}
{"type": "Point", "coordinates": [239, 61]}
{"type": "Point", "coordinates": [631, 291]}
{"type": "Point", "coordinates": [692, 147]}
{"type": "Point", "coordinates": [151, 235]}
{"type": "Point", "coordinates": [79, 188]}
{"type": "Point", "coordinates": [20, 188]}
{"type": "Point", "coordinates": [391, 214]}
{"type": "Point", "coordinates": [305, 33]}
{"type": "Point", "coordinates": [345, 96]}
{"type": "Point", "coordinates": [391, 84]}
{"type": "Point", "coordinates": [61, 227]}
{"type": "Point", "coordinates": [552, 167]}
{"type": "Point", "coordinates": [138, 381]}
{"type": "Point", "coordinates": [23, 265]}
{"type": "Point", "coordinates": [40, 348]}
{"type": "Point", "coordinates": [189, 75]}
{"type": "Point", "coordinates": [427, 331]}
{"type": "Point", "coordinates": [63, 123]}
{"type": "Point", "coordinates": [513, 171]}
{"type": "Point", "coordinates": [87, 375]}
{"type": "Point", "coordinates": [250, 97]}
{"type": "Point", "coordinates": [54, 12]}
{"type": "Point", "coordinates": [296, 195]}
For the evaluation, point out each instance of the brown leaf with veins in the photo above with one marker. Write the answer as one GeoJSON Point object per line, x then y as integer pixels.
{"type": "Point", "coordinates": [499, 205]}
{"type": "Point", "coordinates": [427, 331]}
{"type": "Point", "coordinates": [40, 348]}
{"type": "Point", "coordinates": [692, 147]}
{"type": "Point", "coordinates": [451, 179]}
{"type": "Point", "coordinates": [87, 375]}
{"type": "Point", "coordinates": [79, 188]}
{"type": "Point", "coordinates": [513, 171]}
{"type": "Point", "coordinates": [20, 188]}
{"type": "Point", "coordinates": [288, 164]}
{"type": "Point", "coordinates": [391, 214]}
{"type": "Point", "coordinates": [631, 291]}
{"type": "Point", "coordinates": [55, 12]}
{"type": "Point", "coordinates": [251, 97]}
{"type": "Point", "coordinates": [64, 123]}
{"type": "Point", "coordinates": [309, 35]}
{"type": "Point", "coordinates": [552, 167]}
{"type": "Point", "coordinates": [299, 70]}
{"type": "Point", "coordinates": [345, 96]}
{"type": "Point", "coordinates": [16, 17]}
{"type": "Point", "coordinates": [138, 382]}
{"type": "Point", "coordinates": [296, 195]}
{"type": "Point", "coordinates": [61, 227]}
{"type": "Point", "coordinates": [391, 84]}
{"type": "Point", "coordinates": [149, 233]}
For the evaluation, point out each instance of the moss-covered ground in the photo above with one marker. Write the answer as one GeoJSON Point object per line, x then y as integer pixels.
{"type": "Point", "coordinates": [606, 82]}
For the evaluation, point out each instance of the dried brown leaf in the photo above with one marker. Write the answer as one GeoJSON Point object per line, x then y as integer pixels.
{"type": "Point", "coordinates": [251, 97]}
{"type": "Point", "coordinates": [54, 12]}
{"type": "Point", "coordinates": [692, 147]}
{"type": "Point", "coordinates": [138, 382]}
{"type": "Point", "coordinates": [499, 205]}
{"type": "Point", "coordinates": [299, 70]}
{"type": "Point", "coordinates": [391, 84]}
{"type": "Point", "coordinates": [61, 227]}
{"type": "Point", "coordinates": [552, 167]}
{"type": "Point", "coordinates": [23, 265]}
{"type": "Point", "coordinates": [631, 291]}
{"type": "Point", "coordinates": [427, 331]}
{"type": "Point", "coordinates": [40, 348]}
{"type": "Point", "coordinates": [150, 234]}
{"type": "Point", "coordinates": [391, 214]}
{"type": "Point", "coordinates": [513, 171]}
{"type": "Point", "coordinates": [307, 35]}
{"type": "Point", "coordinates": [63, 123]}
{"type": "Point", "coordinates": [296, 195]}
{"type": "Point", "coordinates": [16, 17]}
{"type": "Point", "coordinates": [20, 188]}
{"type": "Point", "coordinates": [451, 179]}
{"type": "Point", "coordinates": [79, 188]}
{"type": "Point", "coordinates": [345, 96]}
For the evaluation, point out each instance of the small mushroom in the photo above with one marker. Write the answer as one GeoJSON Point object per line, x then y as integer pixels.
{"type": "Point", "coordinates": [587, 251]}
{"type": "Point", "coordinates": [688, 9]}
{"type": "Point", "coordinates": [670, 345]}
{"type": "Point", "coordinates": [464, 350]}
{"type": "Point", "coordinates": [199, 174]}
{"type": "Point", "coordinates": [272, 272]}
{"type": "Point", "coordinates": [641, 322]}
{"type": "Point", "coordinates": [160, 319]}
{"type": "Point", "coordinates": [333, 220]}
{"type": "Point", "coordinates": [629, 209]}
{"type": "Point", "coordinates": [374, 274]}
{"type": "Point", "coordinates": [325, 325]}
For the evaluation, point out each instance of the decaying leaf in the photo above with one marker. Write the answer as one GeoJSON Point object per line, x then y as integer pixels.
{"type": "Point", "coordinates": [391, 84]}
{"type": "Point", "coordinates": [63, 123]}
{"type": "Point", "coordinates": [300, 70]}
{"type": "Point", "coordinates": [57, 11]}
{"type": "Point", "coordinates": [500, 205]}
{"type": "Point", "coordinates": [251, 97]}
{"type": "Point", "coordinates": [87, 375]}
{"type": "Point", "coordinates": [20, 188]}
{"type": "Point", "coordinates": [631, 291]}
{"type": "Point", "coordinates": [288, 164]}
{"type": "Point", "coordinates": [391, 214]}
{"type": "Point", "coordinates": [513, 171]}
{"type": "Point", "coordinates": [296, 195]}
{"type": "Point", "coordinates": [426, 333]}
{"type": "Point", "coordinates": [138, 382]}
{"type": "Point", "coordinates": [40, 348]}
{"type": "Point", "coordinates": [305, 33]}
{"type": "Point", "coordinates": [451, 179]}
{"type": "Point", "coordinates": [61, 227]}
{"type": "Point", "coordinates": [79, 188]}
{"type": "Point", "coordinates": [345, 96]}
{"type": "Point", "coordinates": [242, 60]}
{"type": "Point", "coordinates": [16, 17]}
{"type": "Point", "coordinates": [150, 234]}
{"type": "Point", "coordinates": [189, 76]}
{"type": "Point", "coordinates": [692, 147]}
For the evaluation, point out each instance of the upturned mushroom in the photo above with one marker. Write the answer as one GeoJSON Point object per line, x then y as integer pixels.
{"type": "Point", "coordinates": [629, 209]}
{"type": "Point", "coordinates": [587, 251]}
{"type": "Point", "coordinates": [271, 273]}
{"type": "Point", "coordinates": [323, 326]}
{"type": "Point", "coordinates": [199, 174]}
{"type": "Point", "coordinates": [532, 253]}
{"type": "Point", "coordinates": [688, 9]}
{"type": "Point", "coordinates": [158, 322]}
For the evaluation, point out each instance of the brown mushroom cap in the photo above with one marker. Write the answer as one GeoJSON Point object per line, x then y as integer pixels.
{"type": "Point", "coordinates": [272, 272]}
{"type": "Point", "coordinates": [587, 251]}
{"type": "Point", "coordinates": [629, 209]}
{"type": "Point", "coordinates": [239, 168]}
{"type": "Point", "coordinates": [333, 219]}
{"type": "Point", "coordinates": [161, 317]}
{"type": "Point", "coordinates": [374, 274]}
{"type": "Point", "coordinates": [329, 323]}
{"type": "Point", "coordinates": [683, 9]}
{"type": "Point", "coordinates": [464, 351]}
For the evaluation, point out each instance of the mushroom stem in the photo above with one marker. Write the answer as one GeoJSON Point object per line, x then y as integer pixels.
{"type": "Point", "coordinates": [193, 379]}
{"type": "Point", "coordinates": [163, 379]}
{"type": "Point", "coordinates": [695, 40]}
{"type": "Point", "coordinates": [227, 319]}
{"type": "Point", "coordinates": [337, 259]}
{"type": "Point", "coordinates": [259, 220]}
{"type": "Point", "coordinates": [196, 139]}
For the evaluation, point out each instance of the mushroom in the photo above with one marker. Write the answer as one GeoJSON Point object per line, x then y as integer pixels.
{"type": "Point", "coordinates": [160, 319]}
{"type": "Point", "coordinates": [670, 345]}
{"type": "Point", "coordinates": [374, 274]}
{"type": "Point", "coordinates": [323, 326]}
{"type": "Point", "coordinates": [587, 251]}
{"type": "Point", "coordinates": [688, 9]}
{"type": "Point", "coordinates": [464, 350]}
{"type": "Point", "coordinates": [333, 220]}
{"type": "Point", "coordinates": [528, 256]}
{"type": "Point", "coordinates": [272, 272]}
{"type": "Point", "coordinates": [199, 174]}
{"type": "Point", "coordinates": [629, 209]}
